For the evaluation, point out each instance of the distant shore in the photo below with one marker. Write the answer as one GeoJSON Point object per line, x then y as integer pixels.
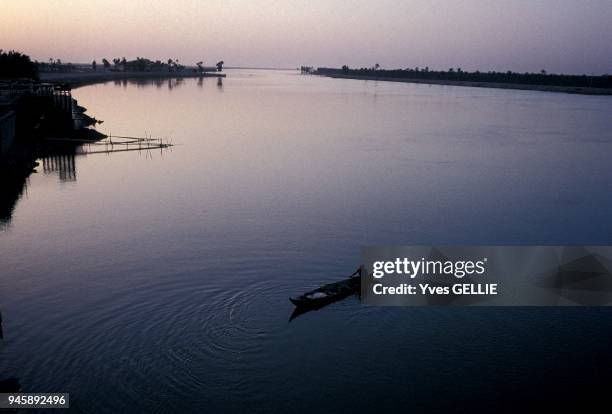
{"type": "Point", "coordinates": [542, 88]}
{"type": "Point", "coordinates": [76, 79]}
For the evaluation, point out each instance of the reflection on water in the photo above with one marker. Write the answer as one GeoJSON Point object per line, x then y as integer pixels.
{"type": "Point", "coordinates": [62, 164]}
{"type": "Point", "coordinates": [55, 159]}
{"type": "Point", "coordinates": [15, 183]}
{"type": "Point", "coordinates": [58, 157]}
{"type": "Point", "coordinates": [12, 188]}
{"type": "Point", "coordinates": [169, 83]}
{"type": "Point", "coordinates": [169, 277]}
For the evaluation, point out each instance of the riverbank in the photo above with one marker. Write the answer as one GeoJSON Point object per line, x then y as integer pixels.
{"type": "Point", "coordinates": [541, 88]}
{"type": "Point", "coordinates": [76, 79]}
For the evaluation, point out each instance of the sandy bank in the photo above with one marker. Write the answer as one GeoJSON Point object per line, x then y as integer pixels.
{"type": "Point", "coordinates": [542, 88]}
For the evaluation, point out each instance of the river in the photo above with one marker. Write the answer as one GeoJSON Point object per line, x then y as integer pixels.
{"type": "Point", "coordinates": [158, 281]}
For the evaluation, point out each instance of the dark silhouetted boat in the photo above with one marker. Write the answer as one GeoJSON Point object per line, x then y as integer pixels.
{"type": "Point", "coordinates": [327, 294]}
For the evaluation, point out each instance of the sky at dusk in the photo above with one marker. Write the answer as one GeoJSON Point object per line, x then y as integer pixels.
{"type": "Point", "coordinates": [570, 36]}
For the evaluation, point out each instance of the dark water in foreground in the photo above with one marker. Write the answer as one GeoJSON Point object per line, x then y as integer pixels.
{"type": "Point", "coordinates": [159, 282]}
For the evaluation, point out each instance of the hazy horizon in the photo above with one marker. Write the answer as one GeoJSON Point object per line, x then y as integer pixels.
{"type": "Point", "coordinates": [563, 36]}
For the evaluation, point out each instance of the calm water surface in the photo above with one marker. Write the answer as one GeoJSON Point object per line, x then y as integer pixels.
{"type": "Point", "coordinates": [151, 282]}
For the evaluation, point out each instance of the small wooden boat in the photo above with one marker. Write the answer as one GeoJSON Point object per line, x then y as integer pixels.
{"type": "Point", "coordinates": [329, 293]}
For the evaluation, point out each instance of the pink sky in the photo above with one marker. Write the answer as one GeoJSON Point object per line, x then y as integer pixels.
{"type": "Point", "coordinates": [573, 36]}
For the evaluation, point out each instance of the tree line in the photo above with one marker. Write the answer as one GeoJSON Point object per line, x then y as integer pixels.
{"type": "Point", "coordinates": [457, 74]}
{"type": "Point", "coordinates": [140, 64]}
{"type": "Point", "coordinates": [16, 65]}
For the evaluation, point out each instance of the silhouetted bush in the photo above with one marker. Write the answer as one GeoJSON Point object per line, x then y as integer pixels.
{"type": "Point", "coordinates": [15, 65]}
